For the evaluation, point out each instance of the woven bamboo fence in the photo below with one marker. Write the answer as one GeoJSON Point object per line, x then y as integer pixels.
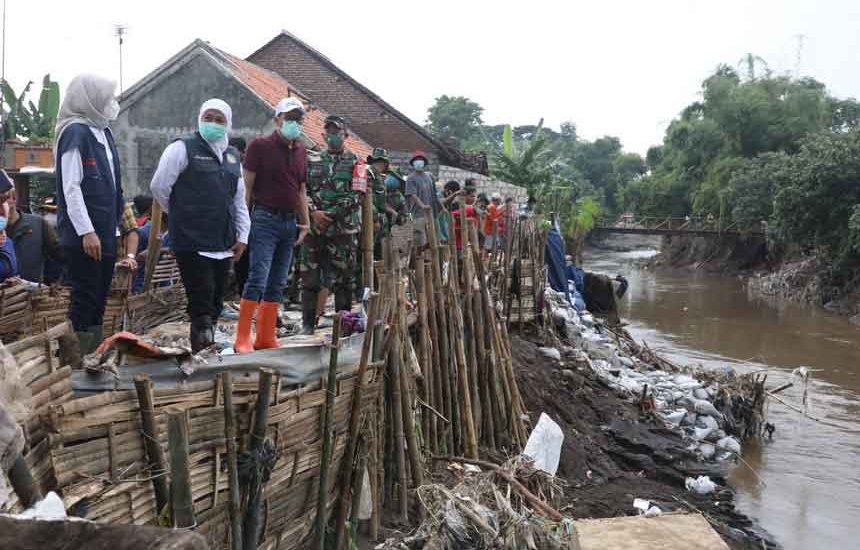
{"type": "Point", "coordinates": [40, 367]}
{"type": "Point", "coordinates": [100, 462]}
{"type": "Point", "coordinates": [26, 310]}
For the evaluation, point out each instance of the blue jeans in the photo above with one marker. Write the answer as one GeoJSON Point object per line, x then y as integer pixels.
{"type": "Point", "coordinates": [273, 235]}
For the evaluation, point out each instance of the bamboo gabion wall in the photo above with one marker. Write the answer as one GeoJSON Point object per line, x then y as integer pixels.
{"type": "Point", "coordinates": [436, 378]}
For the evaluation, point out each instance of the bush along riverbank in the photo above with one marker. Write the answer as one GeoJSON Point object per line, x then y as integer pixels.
{"type": "Point", "coordinates": [637, 426]}
{"type": "Point", "coordinates": [812, 281]}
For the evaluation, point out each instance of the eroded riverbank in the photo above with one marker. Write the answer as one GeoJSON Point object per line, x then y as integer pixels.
{"type": "Point", "coordinates": [805, 489]}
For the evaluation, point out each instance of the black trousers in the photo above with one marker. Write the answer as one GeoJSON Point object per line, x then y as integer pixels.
{"type": "Point", "coordinates": [90, 281]}
{"type": "Point", "coordinates": [204, 280]}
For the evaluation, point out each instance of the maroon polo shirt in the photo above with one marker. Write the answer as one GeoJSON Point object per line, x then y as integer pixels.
{"type": "Point", "coordinates": [280, 171]}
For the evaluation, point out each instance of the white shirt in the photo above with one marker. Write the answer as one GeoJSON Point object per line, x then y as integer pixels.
{"type": "Point", "coordinates": [73, 175]}
{"type": "Point", "coordinates": [173, 162]}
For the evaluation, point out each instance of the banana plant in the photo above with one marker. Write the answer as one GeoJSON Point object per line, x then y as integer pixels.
{"type": "Point", "coordinates": [25, 119]}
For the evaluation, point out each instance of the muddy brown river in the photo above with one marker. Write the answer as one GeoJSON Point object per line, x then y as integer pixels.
{"type": "Point", "coordinates": [805, 488]}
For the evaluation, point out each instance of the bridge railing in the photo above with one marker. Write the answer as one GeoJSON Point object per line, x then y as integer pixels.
{"type": "Point", "coordinates": [691, 224]}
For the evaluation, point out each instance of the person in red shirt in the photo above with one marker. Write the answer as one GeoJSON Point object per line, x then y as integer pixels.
{"type": "Point", "coordinates": [276, 170]}
{"type": "Point", "coordinates": [471, 214]}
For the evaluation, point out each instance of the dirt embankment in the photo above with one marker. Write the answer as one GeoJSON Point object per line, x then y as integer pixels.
{"type": "Point", "coordinates": [728, 255]}
{"type": "Point", "coordinates": [613, 454]}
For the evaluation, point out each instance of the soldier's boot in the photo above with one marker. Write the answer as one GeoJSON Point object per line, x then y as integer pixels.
{"type": "Point", "coordinates": [202, 333]}
{"type": "Point", "coordinates": [309, 311]}
{"type": "Point", "coordinates": [343, 299]}
{"type": "Point", "coordinates": [243, 329]}
{"type": "Point", "coordinates": [266, 321]}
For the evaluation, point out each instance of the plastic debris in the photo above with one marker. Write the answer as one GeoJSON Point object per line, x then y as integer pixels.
{"type": "Point", "coordinates": [50, 508]}
{"type": "Point", "coordinates": [646, 508]}
{"type": "Point", "coordinates": [544, 445]}
{"type": "Point", "coordinates": [702, 485]}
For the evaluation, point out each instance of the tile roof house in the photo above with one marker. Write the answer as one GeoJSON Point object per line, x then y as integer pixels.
{"type": "Point", "coordinates": [334, 90]}
{"type": "Point", "coordinates": [165, 103]}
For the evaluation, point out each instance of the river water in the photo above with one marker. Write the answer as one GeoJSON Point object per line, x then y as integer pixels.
{"type": "Point", "coordinates": [806, 486]}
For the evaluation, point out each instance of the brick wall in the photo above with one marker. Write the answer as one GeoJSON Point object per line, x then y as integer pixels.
{"type": "Point", "coordinates": [485, 184]}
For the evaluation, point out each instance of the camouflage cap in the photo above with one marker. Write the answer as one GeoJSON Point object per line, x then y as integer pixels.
{"type": "Point", "coordinates": [334, 120]}
{"type": "Point", "coordinates": [378, 154]}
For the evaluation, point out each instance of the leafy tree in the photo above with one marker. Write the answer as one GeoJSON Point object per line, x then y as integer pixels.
{"type": "Point", "coordinates": [816, 204]}
{"type": "Point", "coordinates": [454, 118]}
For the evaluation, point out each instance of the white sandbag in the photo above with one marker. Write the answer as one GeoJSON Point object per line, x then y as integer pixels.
{"type": "Point", "coordinates": [707, 450]}
{"type": "Point", "coordinates": [646, 508]}
{"type": "Point", "coordinates": [729, 443]}
{"type": "Point", "coordinates": [544, 445]}
{"type": "Point", "coordinates": [706, 407]}
{"type": "Point", "coordinates": [702, 485]}
{"type": "Point", "coordinates": [50, 508]}
{"type": "Point", "coordinates": [550, 353]}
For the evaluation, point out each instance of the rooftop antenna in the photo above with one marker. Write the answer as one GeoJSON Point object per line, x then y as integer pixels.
{"type": "Point", "coordinates": [119, 32]}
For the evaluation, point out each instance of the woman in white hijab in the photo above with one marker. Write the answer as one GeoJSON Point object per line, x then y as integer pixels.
{"type": "Point", "coordinates": [199, 184]}
{"type": "Point", "coordinates": [89, 193]}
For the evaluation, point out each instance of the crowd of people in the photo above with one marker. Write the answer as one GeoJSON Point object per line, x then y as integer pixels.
{"type": "Point", "coordinates": [227, 206]}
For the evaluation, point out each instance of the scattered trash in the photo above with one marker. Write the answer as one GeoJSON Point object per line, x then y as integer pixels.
{"type": "Point", "coordinates": [50, 508]}
{"type": "Point", "coordinates": [646, 508]}
{"type": "Point", "coordinates": [702, 485]}
{"type": "Point", "coordinates": [544, 445]}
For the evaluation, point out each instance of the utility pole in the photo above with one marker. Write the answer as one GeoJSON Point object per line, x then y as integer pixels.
{"type": "Point", "coordinates": [120, 31]}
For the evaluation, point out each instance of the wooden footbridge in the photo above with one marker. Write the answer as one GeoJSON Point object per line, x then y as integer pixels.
{"type": "Point", "coordinates": [704, 226]}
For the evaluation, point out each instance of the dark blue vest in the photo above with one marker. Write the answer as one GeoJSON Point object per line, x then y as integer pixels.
{"type": "Point", "coordinates": [102, 196]}
{"type": "Point", "coordinates": [201, 203]}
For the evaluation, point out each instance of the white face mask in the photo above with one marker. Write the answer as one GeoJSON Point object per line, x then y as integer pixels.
{"type": "Point", "coordinates": [112, 109]}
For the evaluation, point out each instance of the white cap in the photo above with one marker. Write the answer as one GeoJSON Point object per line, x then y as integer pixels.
{"type": "Point", "coordinates": [495, 196]}
{"type": "Point", "coordinates": [288, 104]}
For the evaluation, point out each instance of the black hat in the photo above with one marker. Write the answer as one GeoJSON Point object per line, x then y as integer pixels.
{"type": "Point", "coordinates": [6, 183]}
{"type": "Point", "coordinates": [335, 120]}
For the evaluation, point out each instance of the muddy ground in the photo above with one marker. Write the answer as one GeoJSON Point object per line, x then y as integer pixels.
{"type": "Point", "coordinates": [612, 453]}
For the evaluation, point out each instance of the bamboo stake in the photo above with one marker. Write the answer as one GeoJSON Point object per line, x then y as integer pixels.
{"type": "Point", "coordinates": [153, 250]}
{"type": "Point", "coordinates": [251, 523]}
{"type": "Point", "coordinates": [468, 322]}
{"type": "Point", "coordinates": [154, 452]}
{"type": "Point", "coordinates": [354, 420]}
{"type": "Point", "coordinates": [438, 440]}
{"type": "Point", "coordinates": [374, 466]}
{"type": "Point", "coordinates": [182, 502]}
{"type": "Point", "coordinates": [407, 393]}
{"type": "Point", "coordinates": [327, 439]}
{"type": "Point", "coordinates": [399, 434]}
{"type": "Point", "coordinates": [424, 352]}
{"type": "Point", "coordinates": [367, 239]}
{"type": "Point", "coordinates": [471, 441]}
{"type": "Point", "coordinates": [232, 467]}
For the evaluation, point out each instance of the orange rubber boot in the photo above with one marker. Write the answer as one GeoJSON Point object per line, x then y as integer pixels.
{"type": "Point", "coordinates": [243, 329]}
{"type": "Point", "coordinates": [266, 326]}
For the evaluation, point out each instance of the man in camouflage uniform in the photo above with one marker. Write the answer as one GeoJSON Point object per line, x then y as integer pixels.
{"type": "Point", "coordinates": [388, 202]}
{"type": "Point", "coordinates": [336, 183]}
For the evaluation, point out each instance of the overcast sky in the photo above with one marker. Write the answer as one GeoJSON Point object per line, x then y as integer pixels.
{"type": "Point", "coordinates": [623, 68]}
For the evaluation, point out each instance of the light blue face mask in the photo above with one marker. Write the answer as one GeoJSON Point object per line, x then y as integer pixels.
{"type": "Point", "coordinates": [2, 223]}
{"type": "Point", "coordinates": [212, 131]}
{"type": "Point", "coordinates": [418, 164]}
{"type": "Point", "coordinates": [291, 129]}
